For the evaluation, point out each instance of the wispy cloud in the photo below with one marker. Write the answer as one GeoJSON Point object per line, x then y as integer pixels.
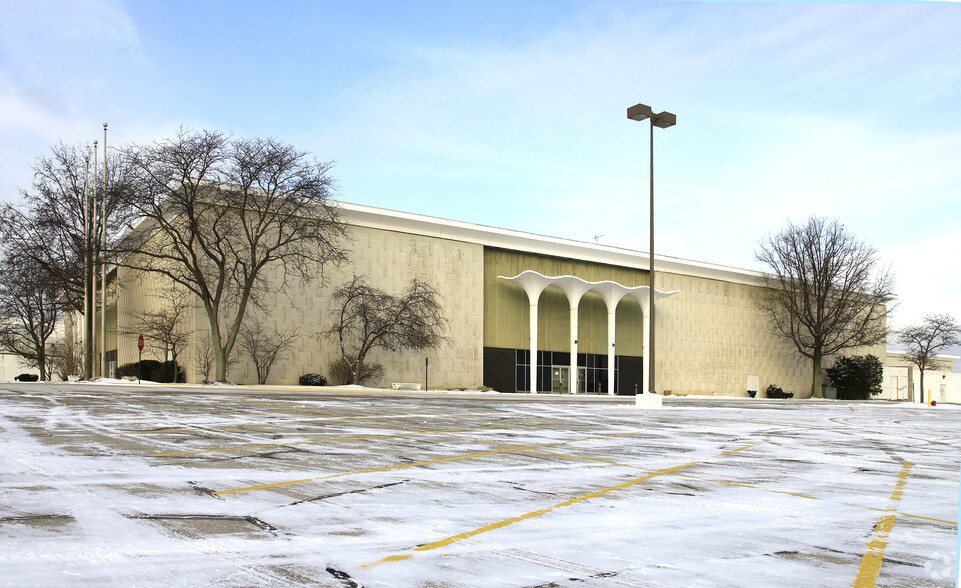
{"type": "Point", "coordinates": [784, 110]}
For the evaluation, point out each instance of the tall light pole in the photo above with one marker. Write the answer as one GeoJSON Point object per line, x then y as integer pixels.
{"type": "Point", "coordinates": [661, 120]}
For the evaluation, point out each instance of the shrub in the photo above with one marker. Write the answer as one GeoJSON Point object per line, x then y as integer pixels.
{"type": "Point", "coordinates": [857, 377]}
{"type": "Point", "coordinates": [147, 366]}
{"type": "Point", "coordinates": [775, 391]}
{"type": "Point", "coordinates": [313, 380]}
{"type": "Point", "coordinates": [165, 373]}
{"type": "Point", "coordinates": [153, 370]}
{"type": "Point", "coordinates": [340, 372]}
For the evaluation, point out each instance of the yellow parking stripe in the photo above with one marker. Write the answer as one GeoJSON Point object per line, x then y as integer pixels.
{"type": "Point", "coordinates": [873, 559]}
{"type": "Point", "coordinates": [198, 428]}
{"type": "Point", "coordinates": [387, 469]}
{"type": "Point", "coordinates": [336, 417]}
{"type": "Point", "coordinates": [809, 497]}
{"type": "Point", "coordinates": [511, 447]}
{"type": "Point", "coordinates": [506, 522]}
{"type": "Point", "coordinates": [337, 439]}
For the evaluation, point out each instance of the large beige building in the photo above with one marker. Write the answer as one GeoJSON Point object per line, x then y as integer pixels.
{"type": "Point", "coordinates": [710, 337]}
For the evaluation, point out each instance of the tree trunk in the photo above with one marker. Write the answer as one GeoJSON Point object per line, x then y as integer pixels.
{"type": "Point", "coordinates": [220, 363]}
{"type": "Point", "coordinates": [816, 391]}
{"type": "Point", "coordinates": [922, 385]}
{"type": "Point", "coordinates": [220, 356]}
{"type": "Point", "coordinates": [216, 340]}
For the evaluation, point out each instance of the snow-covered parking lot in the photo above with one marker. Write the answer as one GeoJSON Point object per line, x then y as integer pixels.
{"type": "Point", "coordinates": [120, 485]}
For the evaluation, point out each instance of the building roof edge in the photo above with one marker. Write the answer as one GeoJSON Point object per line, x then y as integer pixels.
{"type": "Point", "coordinates": [419, 224]}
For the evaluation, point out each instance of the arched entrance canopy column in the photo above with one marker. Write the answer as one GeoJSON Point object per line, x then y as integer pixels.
{"type": "Point", "coordinates": [533, 283]}
{"type": "Point", "coordinates": [574, 288]}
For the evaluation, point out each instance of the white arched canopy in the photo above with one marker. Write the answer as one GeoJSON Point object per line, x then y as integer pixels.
{"type": "Point", "coordinates": [574, 288]}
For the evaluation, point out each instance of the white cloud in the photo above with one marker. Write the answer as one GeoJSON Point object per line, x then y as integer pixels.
{"type": "Point", "coordinates": [783, 111]}
{"type": "Point", "coordinates": [55, 56]}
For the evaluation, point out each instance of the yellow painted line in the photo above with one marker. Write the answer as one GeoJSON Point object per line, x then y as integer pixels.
{"type": "Point", "coordinates": [932, 519]}
{"type": "Point", "coordinates": [809, 497]}
{"type": "Point", "coordinates": [340, 415]}
{"type": "Point", "coordinates": [385, 423]}
{"type": "Point", "coordinates": [387, 469]}
{"type": "Point", "coordinates": [555, 453]}
{"type": "Point", "coordinates": [200, 428]}
{"type": "Point", "coordinates": [336, 417]}
{"type": "Point", "coordinates": [870, 569]}
{"type": "Point", "coordinates": [131, 418]}
{"type": "Point", "coordinates": [274, 445]}
{"type": "Point", "coordinates": [340, 439]}
{"type": "Point", "coordinates": [540, 512]}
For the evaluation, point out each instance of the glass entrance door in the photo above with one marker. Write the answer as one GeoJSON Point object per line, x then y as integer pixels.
{"type": "Point", "coordinates": [559, 380]}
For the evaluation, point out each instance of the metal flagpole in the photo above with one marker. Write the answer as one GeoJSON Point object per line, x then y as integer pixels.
{"type": "Point", "coordinates": [89, 337]}
{"type": "Point", "coordinates": [103, 263]}
{"type": "Point", "coordinates": [87, 270]}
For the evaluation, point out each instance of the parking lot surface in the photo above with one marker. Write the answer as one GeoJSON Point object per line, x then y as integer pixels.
{"type": "Point", "coordinates": [122, 485]}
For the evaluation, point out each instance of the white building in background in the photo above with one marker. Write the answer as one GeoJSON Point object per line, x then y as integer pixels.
{"type": "Point", "coordinates": [12, 366]}
{"type": "Point", "coordinates": [902, 379]}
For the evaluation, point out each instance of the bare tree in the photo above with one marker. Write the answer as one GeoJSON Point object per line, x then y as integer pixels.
{"type": "Point", "coordinates": [825, 292]}
{"type": "Point", "coordinates": [218, 213]}
{"type": "Point", "coordinates": [923, 341]}
{"type": "Point", "coordinates": [368, 318]}
{"type": "Point", "coordinates": [48, 226]}
{"type": "Point", "coordinates": [30, 307]}
{"type": "Point", "coordinates": [167, 325]}
{"type": "Point", "coordinates": [66, 359]}
{"type": "Point", "coordinates": [204, 356]}
{"type": "Point", "coordinates": [266, 346]}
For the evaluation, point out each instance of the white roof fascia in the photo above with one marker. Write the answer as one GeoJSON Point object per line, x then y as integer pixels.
{"type": "Point", "coordinates": [405, 222]}
{"type": "Point", "coordinates": [942, 356]}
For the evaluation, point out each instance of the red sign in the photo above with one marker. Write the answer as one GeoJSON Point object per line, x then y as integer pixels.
{"type": "Point", "coordinates": [140, 343]}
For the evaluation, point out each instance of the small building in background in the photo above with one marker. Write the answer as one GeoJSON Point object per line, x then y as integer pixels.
{"type": "Point", "coordinates": [902, 379]}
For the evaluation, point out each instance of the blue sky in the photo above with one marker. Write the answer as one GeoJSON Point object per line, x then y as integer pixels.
{"type": "Point", "coordinates": [512, 114]}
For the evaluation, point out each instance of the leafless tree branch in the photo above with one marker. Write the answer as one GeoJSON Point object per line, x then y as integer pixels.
{"type": "Point", "coordinates": [824, 291]}
{"type": "Point", "coordinates": [218, 211]}
{"type": "Point", "coordinates": [923, 341]}
{"type": "Point", "coordinates": [368, 318]}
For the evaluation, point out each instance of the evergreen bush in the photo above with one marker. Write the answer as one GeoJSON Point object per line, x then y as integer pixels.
{"type": "Point", "coordinates": [313, 380]}
{"type": "Point", "coordinates": [857, 377]}
{"type": "Point", "coordinates": [152, 370]}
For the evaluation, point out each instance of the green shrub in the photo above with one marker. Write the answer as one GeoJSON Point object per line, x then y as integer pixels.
{"type": "Point", "coordinates": [857, 377]}
{"type": "Point", "coordinates": [313, 380]}
{"type": "Point", "coordinates": [129, 370]}
{"type": "Point", "coordinates": [152, 370]}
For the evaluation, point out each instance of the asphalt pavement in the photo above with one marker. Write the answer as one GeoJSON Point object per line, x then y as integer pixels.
{"type": "Point", "coordinates": [262, 486]}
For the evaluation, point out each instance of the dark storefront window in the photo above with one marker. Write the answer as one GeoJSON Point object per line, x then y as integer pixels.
{"type": "Point", "coordinates": [591, 368]}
